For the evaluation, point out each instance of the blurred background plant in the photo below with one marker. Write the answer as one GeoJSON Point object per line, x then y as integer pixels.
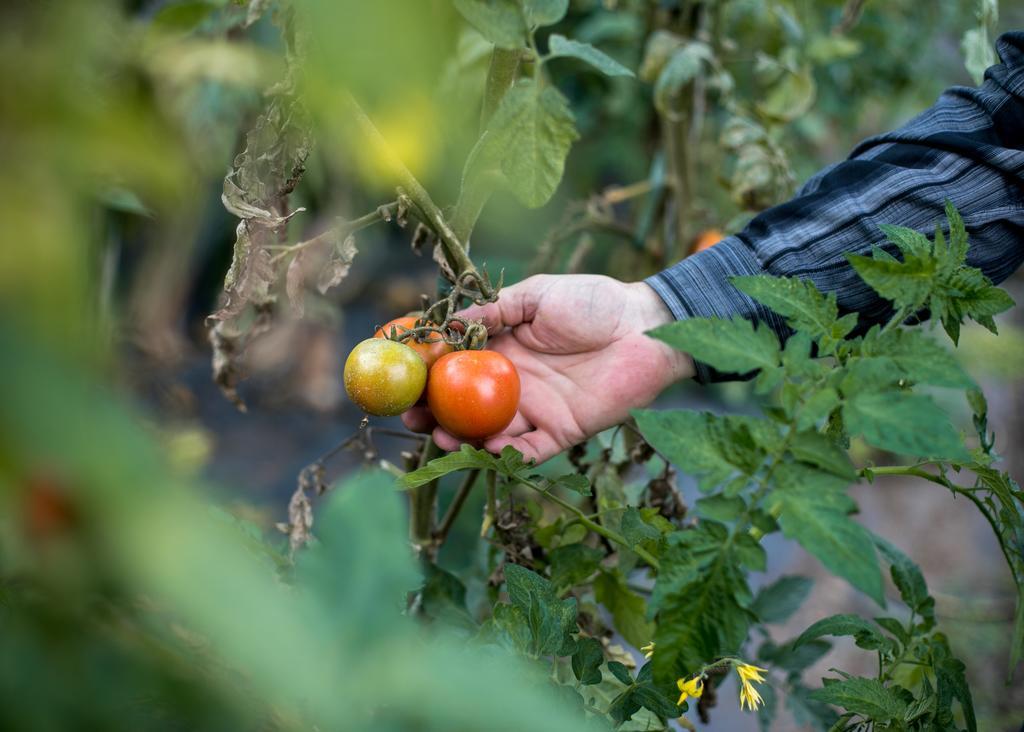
{"type": "Point", "coordinates": [124, 601]}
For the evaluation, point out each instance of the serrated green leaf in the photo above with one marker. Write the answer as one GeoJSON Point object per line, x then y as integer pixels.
{"type": "Point", "coordinates": [539, 129]}
{"type": "Point", "coordinates": [866, 697]}
{"type": "Point", "coordinates": [951, 681]}
{"type": "Point", "coordinates": [572, 564]}
{"type": "Point", "coordinates": [700, 596]}
{"type": "Point", "coordinates": [812, 508]}
{"type": "Point", "coordinates": [551, 620]}
{"type": "Point", "coordinates": [799, 301]}
{"type": "Point", "coordinates": [709, 446]}
{"type": "Point", "coordinates": [499, 21]}
{"type": "Point", "coordinates": [545, 12]}
{"type": "Point", "coordinates": [572, 482]}
{"type": "Point", "coordinates": [790, 97]}
{"type": "Point", "coordinates": [587, 660]}
{"type": "Point", "coordinates": [817, 449]}
{"type": "Point", "coordinates": [909, 241]}
{"type": "Point", "coordinates": [466, 458]}
{"type": "Point", "coordinates": [907, 284]}
{"type": "Point", "coordinates": [919, 357]}
{"type": "Point", "coordinates": [777, 601]}
{"type": "Point", "coordinates": [562, 47]}
{"type": "Point", "coordinates": [727, 345]}
{"type": "Point", "coordinates": [628, 609]}
{"type": "Point", "coordinates": [902, 422]}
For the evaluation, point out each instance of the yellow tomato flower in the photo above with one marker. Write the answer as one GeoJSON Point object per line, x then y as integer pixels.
{"type": "Point", "coordinates": [648, 650]}
{"type": "Point", "coordinates": [749, 698]}
{"type": "Point", "coordinates": [749, 673]}
{"type": "Point", "coordinates": [694, 687]}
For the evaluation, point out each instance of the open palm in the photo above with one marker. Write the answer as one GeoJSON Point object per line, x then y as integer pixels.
{"type": "Point", "coordinates": [578, 343]}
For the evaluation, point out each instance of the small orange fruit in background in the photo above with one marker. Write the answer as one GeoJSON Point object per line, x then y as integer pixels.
{"type": "Point", "coordinates": [706, 239]}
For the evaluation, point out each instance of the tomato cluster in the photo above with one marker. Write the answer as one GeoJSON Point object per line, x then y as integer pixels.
{"type": "Point", "coordinates": [472, 394]}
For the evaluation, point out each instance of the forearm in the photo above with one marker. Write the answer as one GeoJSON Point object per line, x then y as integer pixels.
{"type": "Point", "coordinates": [968, 148]}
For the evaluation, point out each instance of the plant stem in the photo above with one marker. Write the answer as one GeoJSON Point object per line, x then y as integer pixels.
{"type": "Point", "coordinates": [423, 505]}
{"type": "Point", "coordinates": [501, 74]}
{"type": "Point", "coordinates": [456, 506]}
{"type": "Point", "coordinates": [454, 251]}
{"type": "Point", "coordinates": [344, 228]}
{"type": "Point", "coordinates": [597, 528]}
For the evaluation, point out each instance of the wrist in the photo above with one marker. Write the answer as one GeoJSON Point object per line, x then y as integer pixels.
{"type": "Point", "coordinates": [649, 311]}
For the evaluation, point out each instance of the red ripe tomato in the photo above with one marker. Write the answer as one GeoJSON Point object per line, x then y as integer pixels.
{"type": "Point", "coordinates": [428, 351]}
{"type": "Point", "coordinates": [473, 394]}
{"type": "Point", "coordinates": [384, 377]}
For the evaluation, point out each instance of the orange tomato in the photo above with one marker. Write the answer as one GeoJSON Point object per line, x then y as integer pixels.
{"type": "Point", "coordinates": [473, 394]}
{"type": "Point", "coordinates": [706, 239]}
{"type": "Point", "coordinates": [429, 350]}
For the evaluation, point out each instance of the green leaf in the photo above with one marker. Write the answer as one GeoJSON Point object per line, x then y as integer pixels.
{"type": "Point", "coordinates": [499, 21]}
{"type": "Point", "coordinates": [808, 712]}
{"type": "Point", "coordinates": [545, 12]}
{"type": "Point", "coordinates": [635, 530]}
{"type": "Point", "coordinates": [774, 603]}
{"type": "Point", "coordinates": [552, 621]}
{"type": "Point", "coordinates": [683, 65]}
{"type": "Point", "coordinates": [908, 284]}
{"type": "Point", "coordinates": [817, 449]}
{"type": "Point", "coordinates": [509, 628]}
{"type": "Point", "coordinates": [701, 595]}
{"type": "Point", "coordinates": [866, 697]}
{"type": "Point", "coordinates": [620, 672]}
{"type": "Point", "coordinates": [443, 597]}
{"type": "Point", "coordinates": [918, 357]}
{"type": "Point", "coordinates": [799, 301]}
{"type": "Point", "coordinates": [906, 423]}
{"type": "Point", "coordinates": [908, 580]}
{"type": "Point", "coordinates": [864, 632]}
{"type": "Point", "coordinates": [951, 681]}
{"type": "Point", "coordinates": [720, 507]}
{"type": "Point", "coordinates": [572, 564]}
{"type": "Point", "coordinates": [628, 609]}
{"type": "Point", "coordinates": [707, 445]}
{"type": "Point", "coordinates": [587, 660]}
{"type": "Point", "coordinates": [539, 130]}
{"type": "Point", "coordinates": [909, 241]}
{"type": "Point", "coordinates": [466, 458]}
{"type": "Point", "coordinates": [727, 345]}
{"type": "Point", "coordinates": [562, 47]}
{"type": "Point", "coordinates": [572, 482]}
{"type": "Point", "coordinates": [812, 508]}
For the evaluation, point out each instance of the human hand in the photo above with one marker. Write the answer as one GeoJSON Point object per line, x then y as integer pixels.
{"type": "Point", "coordinates": [584, 362]}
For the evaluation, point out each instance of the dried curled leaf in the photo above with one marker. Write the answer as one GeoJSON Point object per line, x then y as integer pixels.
{"type": "Point", "coordinates": [251, 274]}
{"type": "Point", "coordinates": [343, 251]}
{"type": "Point", "coordinates": [294, 279]}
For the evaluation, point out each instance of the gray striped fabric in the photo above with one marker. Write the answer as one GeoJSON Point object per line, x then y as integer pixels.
{"type": "Point", "coordinates": [968, 148]}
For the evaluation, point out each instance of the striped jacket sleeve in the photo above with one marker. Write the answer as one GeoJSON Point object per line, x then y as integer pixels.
{"type": "Point", "coordinates": [968, 148]}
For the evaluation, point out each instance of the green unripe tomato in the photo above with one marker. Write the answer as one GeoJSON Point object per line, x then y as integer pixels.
{"type": "Point", "coordinates": [384, 377]}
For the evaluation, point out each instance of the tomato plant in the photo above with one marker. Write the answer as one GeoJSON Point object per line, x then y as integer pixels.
{"type": "Point", "coordinates": [622, 585]}
{"type": "Point", "coordinates": [473, 394]}
{"type": "Point", "coordinates": [384, 377]}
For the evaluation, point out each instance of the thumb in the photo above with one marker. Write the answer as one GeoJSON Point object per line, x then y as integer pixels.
{"type": "Point", "coordinates": [516, 304]}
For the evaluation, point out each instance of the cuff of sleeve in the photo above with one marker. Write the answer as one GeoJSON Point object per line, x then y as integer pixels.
{"type": "Point", "coordinates": [699, 287]}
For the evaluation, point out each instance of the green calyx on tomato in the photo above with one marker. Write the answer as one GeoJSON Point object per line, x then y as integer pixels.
{"type": "Point", "coordinates": [429, 350]}
{"type": "Point", "coordinates": [473, 394]}
{"type": "Point", "coordinates": [384, 377]}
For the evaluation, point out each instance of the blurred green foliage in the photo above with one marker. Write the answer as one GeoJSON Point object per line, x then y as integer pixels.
{"type": "Point", "coordinates": [125, 602]}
